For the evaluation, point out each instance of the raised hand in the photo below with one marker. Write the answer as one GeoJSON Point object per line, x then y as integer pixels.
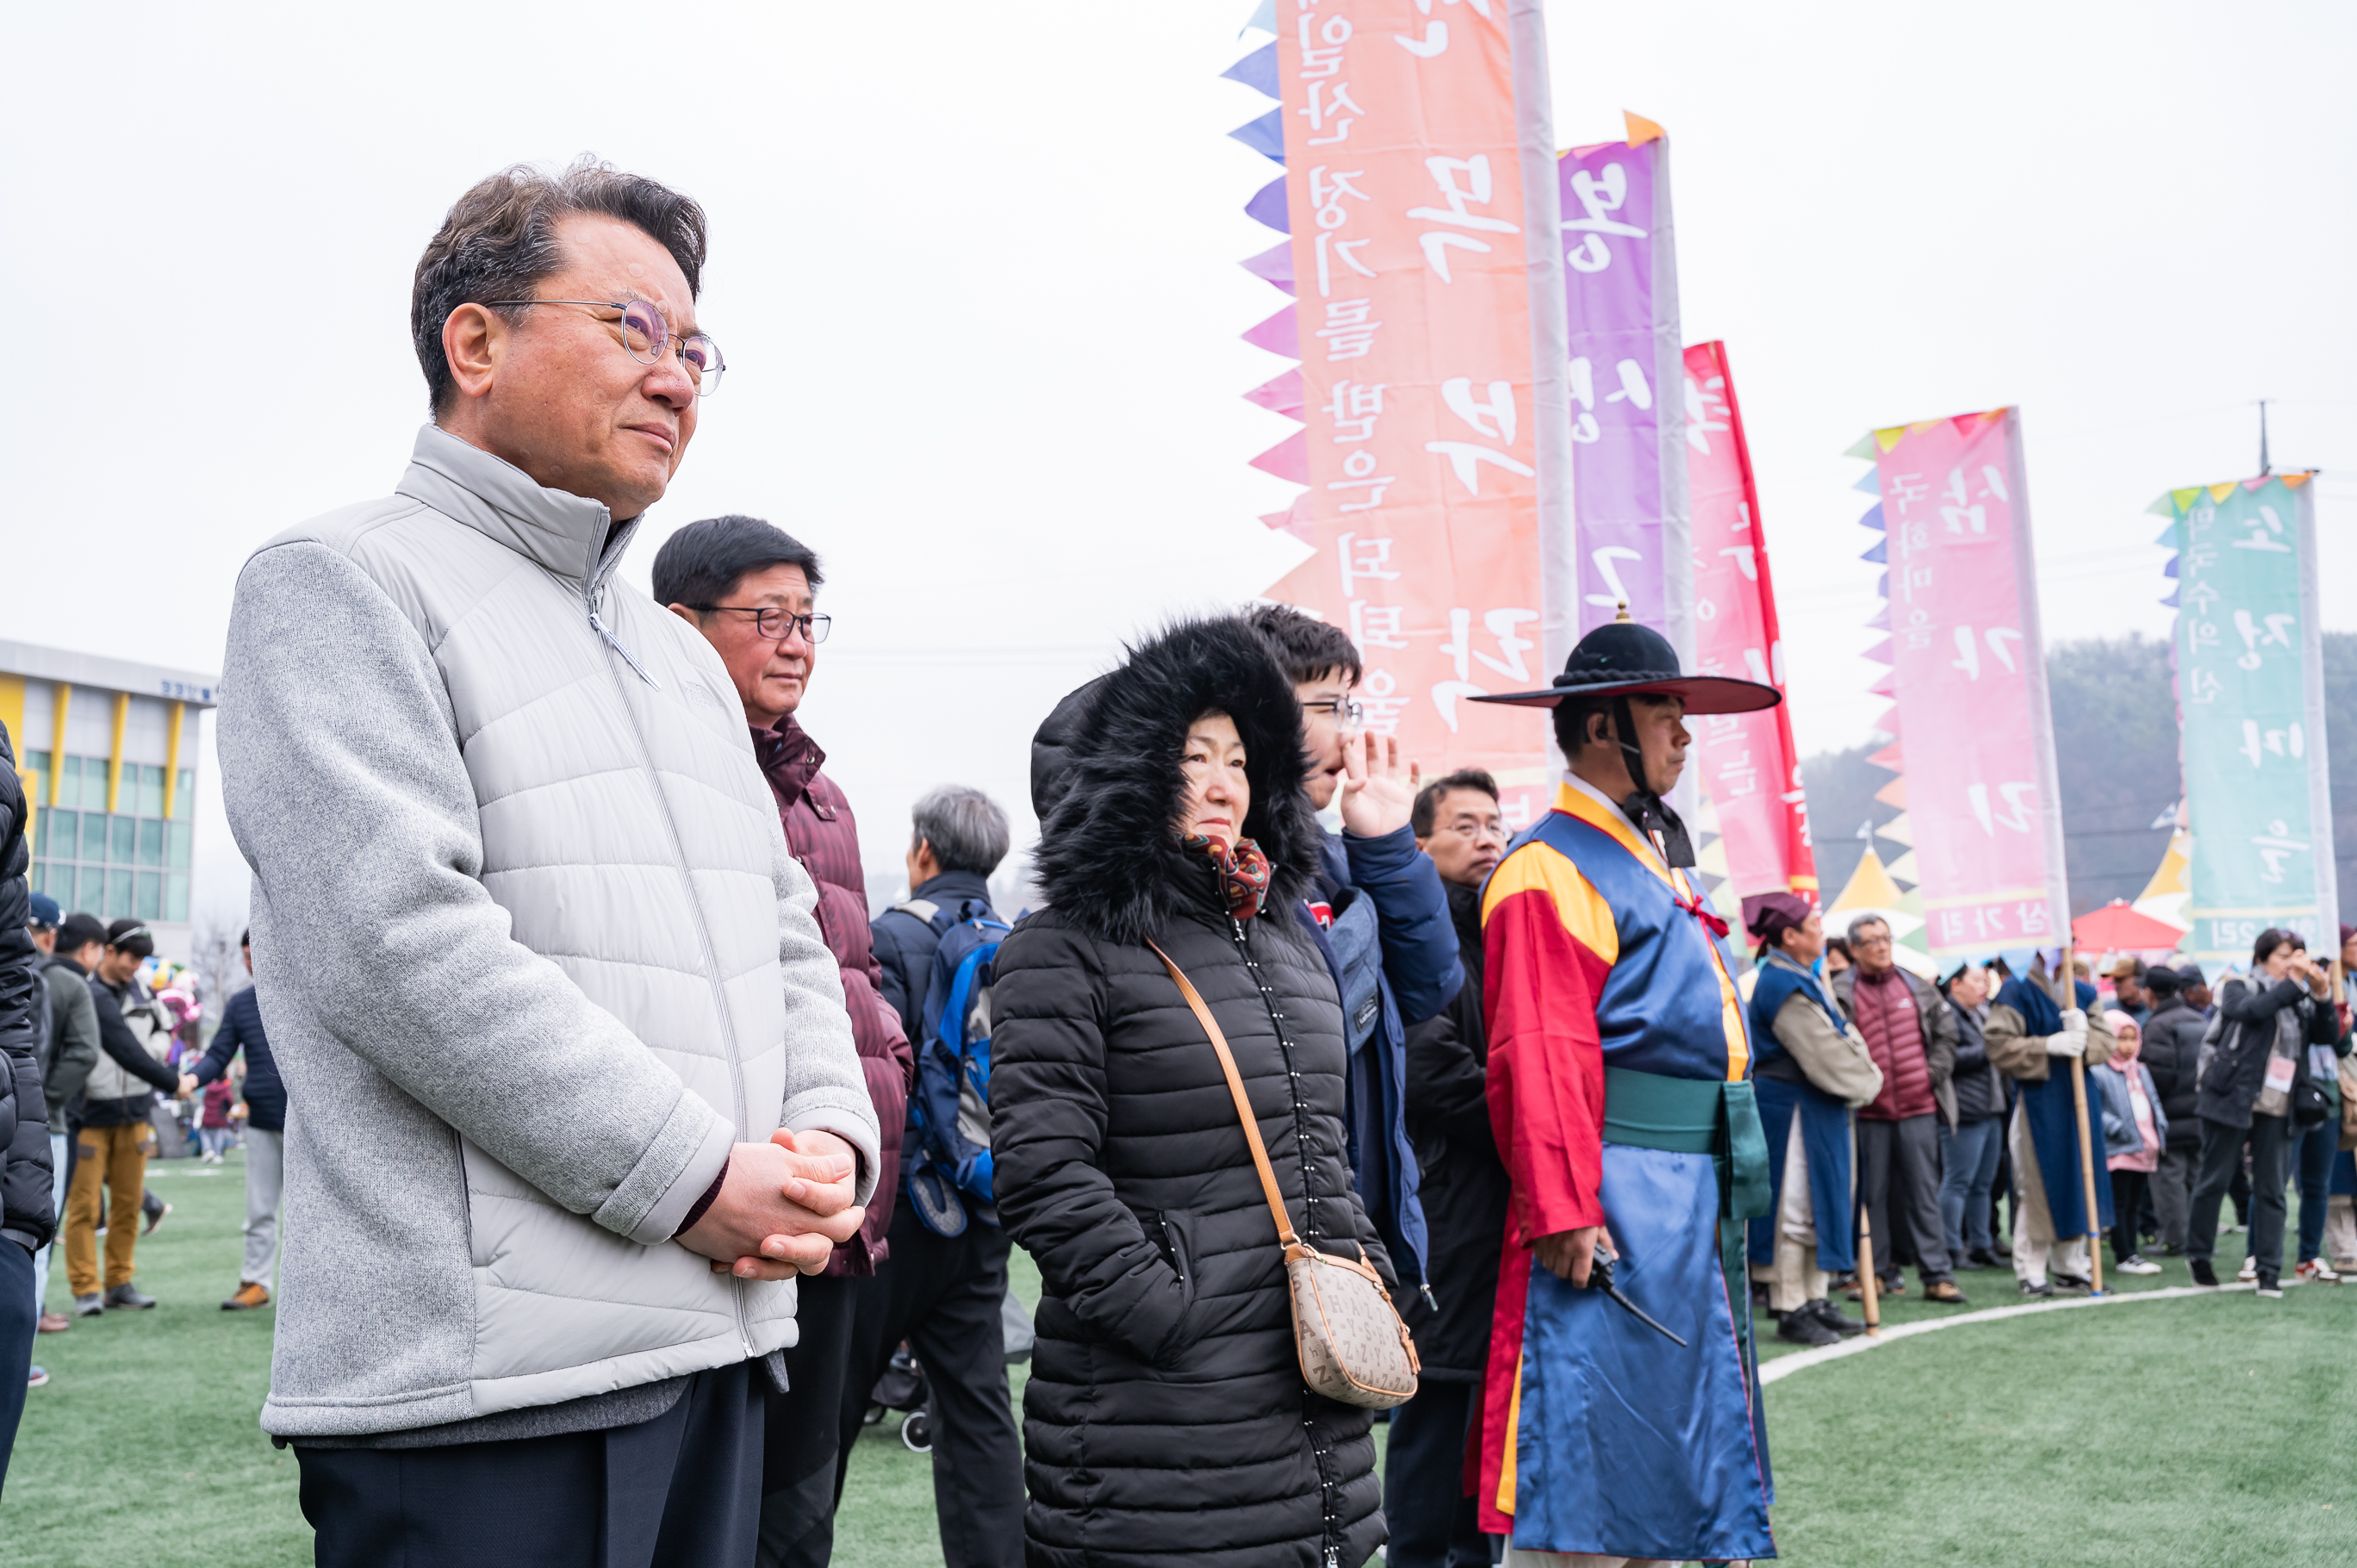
{"type": "Point", "coordinates": [1378, 794]}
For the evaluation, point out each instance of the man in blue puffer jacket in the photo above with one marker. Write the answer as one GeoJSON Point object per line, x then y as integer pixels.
{"type": "Point", "coordinates": [1380, 913]}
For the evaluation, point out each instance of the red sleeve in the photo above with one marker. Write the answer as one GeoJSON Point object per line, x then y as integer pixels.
{"type": "Point", "coordinates": [1546, 1062]}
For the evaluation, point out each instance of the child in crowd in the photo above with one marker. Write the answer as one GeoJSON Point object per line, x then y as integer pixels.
{"type": "Point", "coordinates": [217, 1124]}
{"type": "Point", "coordinates": [2136, 1130]}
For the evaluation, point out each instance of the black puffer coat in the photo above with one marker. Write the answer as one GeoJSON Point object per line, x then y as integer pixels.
{"type": "Point", "coordinates": [1165, 1420]}
{"type": "Point", "coordinates": [27, 1216]}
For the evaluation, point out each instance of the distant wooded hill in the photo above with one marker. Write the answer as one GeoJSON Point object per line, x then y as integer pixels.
{"type": "Point", "coordinates": [2115, 729]}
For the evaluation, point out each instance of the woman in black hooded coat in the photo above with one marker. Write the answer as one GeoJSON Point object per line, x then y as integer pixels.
{"type": "Point", "coordinates": [1165, 1420]}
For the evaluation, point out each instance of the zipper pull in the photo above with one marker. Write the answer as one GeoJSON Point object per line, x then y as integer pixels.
{"type": "Point", "coordinates": [598, 624]}
{"type": "Point", "coordinates": [1425, 1291]}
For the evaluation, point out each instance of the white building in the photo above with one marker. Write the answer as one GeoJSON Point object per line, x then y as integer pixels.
{"type": "Point", "coordinates": [107, 750]}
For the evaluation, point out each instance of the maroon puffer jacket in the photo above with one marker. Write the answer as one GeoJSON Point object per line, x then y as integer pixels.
{"type": "Point", "coordinates": [1887, 1016]}
{"type": "Point", "coordinates": [823, 837]}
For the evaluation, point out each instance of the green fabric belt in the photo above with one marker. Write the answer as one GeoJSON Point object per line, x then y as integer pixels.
{"type": "Point", "coordinates": [1701, 1116]}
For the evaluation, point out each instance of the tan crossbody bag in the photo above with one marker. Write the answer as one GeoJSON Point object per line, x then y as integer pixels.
{"type": "Point", "coordinates": [1353, 1346]}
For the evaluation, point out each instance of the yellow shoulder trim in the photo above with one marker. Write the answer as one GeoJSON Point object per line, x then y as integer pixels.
{"type": "Point", "coordinates": [1577, 803]}
{"type": "Point", "coordinates": [1538, 867]}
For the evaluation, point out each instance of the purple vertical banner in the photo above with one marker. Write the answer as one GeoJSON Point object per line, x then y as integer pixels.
{"type": "Point", "coordinates": [1627, 386]}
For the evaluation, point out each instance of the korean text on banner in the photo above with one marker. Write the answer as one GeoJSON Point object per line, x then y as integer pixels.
{"type": "Point", "coordinates": [1404, 196]}
{"type": "Point", "coordinates": [1629, 470]}
{"type": "Point", "coordinates": [1749, 763]}
{"type": "Point", "coordinates": [2250, 669]}
{"type": "Point", "coordinates": [1969, 675]}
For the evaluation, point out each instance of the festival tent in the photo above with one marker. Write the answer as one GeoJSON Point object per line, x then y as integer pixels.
{"type": "Point", "coordinates": [1871, 891]}
{"type": "Point", "coordinates": [2118, 928]}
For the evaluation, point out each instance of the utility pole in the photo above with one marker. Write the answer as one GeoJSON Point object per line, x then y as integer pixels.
{"type": "Point", "coordinates": [2266, 467]}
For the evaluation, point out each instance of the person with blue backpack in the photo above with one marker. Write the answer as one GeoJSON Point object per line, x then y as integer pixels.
{"type": "Point", "coordinates": [942, 1286]}
{"type": "Point", "coordinates": [1378, 911]}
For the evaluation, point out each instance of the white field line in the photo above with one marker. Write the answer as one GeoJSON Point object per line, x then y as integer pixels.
{"type": "Point", "coordinates": [1799, 1360]}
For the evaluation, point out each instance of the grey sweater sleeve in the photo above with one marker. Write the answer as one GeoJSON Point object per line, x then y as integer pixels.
{"type": "Point", "coordinates": [346, 791]}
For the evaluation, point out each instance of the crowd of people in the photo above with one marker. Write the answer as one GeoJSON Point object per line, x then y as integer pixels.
{"type": "Point", "coordinates": [631, 1152]}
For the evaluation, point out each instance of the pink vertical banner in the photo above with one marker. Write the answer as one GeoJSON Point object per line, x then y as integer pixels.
{"type": "Point", "coordinates": [1627, 370]}
{"type": "Point", "coordinates": [1968, 671]}
{"type": "Point", "coordinates": [1749, 763]}
{"type": "Point", "coordinates": [1404, 203]}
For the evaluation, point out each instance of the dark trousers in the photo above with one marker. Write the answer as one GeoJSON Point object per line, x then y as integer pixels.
{"type": "Point", "coordinates": [2127, 1202]}
{"type": "Point", "coordinates": [2317, 1147]}
{"type": "Point", "coordinates": [2222, 1162]}
{"type": "Point", "coordinates": [1968, 1171]}
{"type": "Point", "coordinates": [1899, 1188]}
{"type": "Point", "coordinates": [19, 1314]}
{"type": "Point", "coordinates": [2171, 1188]}
{"type": "Point", "coordinates": [1434, 1522]}
{"type": "Point", "coordinates": [679, 1491]}
{"type": "Point", "coordinates": [943, 1295]}
{"type": "Point", "coordinates": [798, 1460]}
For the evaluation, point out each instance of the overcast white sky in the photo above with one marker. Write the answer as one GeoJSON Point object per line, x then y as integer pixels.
{"type": "Point", "coordinates": [974, 268]}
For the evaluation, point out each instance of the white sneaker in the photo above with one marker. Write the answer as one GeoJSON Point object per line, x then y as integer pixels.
{"type": "Point", "coordinates": [2136, 1266]}
{"type": "Point", "coordinates": [2249, 1270]}
{"type": "Point", "coordinates": [2316, 1270]}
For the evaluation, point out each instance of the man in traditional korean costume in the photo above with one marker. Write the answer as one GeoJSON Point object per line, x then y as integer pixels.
{"type": "Point", "coordinates": [2032, 1035]}
{"type": "Point", "coordinates": [1813, 1072]}
{"type": "Point", "coordinates": [1621, 1096]}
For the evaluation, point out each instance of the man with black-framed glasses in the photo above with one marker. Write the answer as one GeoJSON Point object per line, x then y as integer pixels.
{"type": "Point", "coordinates": [572, 1097]}
{"type": "Point", "coordinates": [750, 588]}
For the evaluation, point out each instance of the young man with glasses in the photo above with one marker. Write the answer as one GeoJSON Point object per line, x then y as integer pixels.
{"type": "Point", "coordinates": [573, 1096]}
{"type": "Point", "coordinates": [1378, 910]}
{"type": "Point", "coordinates": [749, 589]}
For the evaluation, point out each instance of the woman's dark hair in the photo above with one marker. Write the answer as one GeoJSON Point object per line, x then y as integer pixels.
{"type": "Point", "coordinates": [131, 937]}
{"type": "Point", "coordinates": [2271, 938]}
{"type": "Point", "coordinates": [1841, 946]}
{"type": "Point", "coordinates": [499, 241]}
{"type": "Point", "coordinates": [702, 563]}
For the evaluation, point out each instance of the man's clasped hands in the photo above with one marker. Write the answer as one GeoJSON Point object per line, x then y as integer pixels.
{"type": "Point", "coordinates": [784, 1207]}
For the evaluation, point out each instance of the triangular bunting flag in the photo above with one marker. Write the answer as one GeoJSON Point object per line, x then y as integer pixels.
{"type": "Point", "coordinates": [1881, 621]}
{"type": "Point", "coordinates": [1904, 868]}
{"type": "Point", "coordinates": [2171, 600]}
{"type": "Point", "coordinates": [2170, 570]}
{"type": "Point", "coordinates": [1886, 687]}
{"type": "Point", "coordinates": [1641, 130]}
{"type": "Point", "coordinates": [1265, 135]}
{"type": "Point", "coordinates": [1273, 265]}
{"type": "Point", "coordinates": [1294, 520]}
{"type": "Point", "coordinates": [1865, 447]}
{"type": "Point", "coordinates": [1281, 394]}
{"type": "Point", "coordinates": [2220, 492]}
{"type": "Point", "coordinates": [1880, 652]}
{"type": "Point", "coordinates": [1889, 758]}
{"type": "Point", "coordinates": [2294, 481]}
{"type": "Point", "coordinates": [2169, 535]}
{"type": "Point", "coordinates": [2184, 498]}
{"type": "Point", "coordinates": [2165, 507]}
{"type": "Point", "coordinates": [1879, 551]}
{"type": "Point", "coordinates": [1887, 439]}
{"type": "Point", "coordinates": [1257, 71]}
{"type": "Point", "coordinates": [1873, 518]}
{"type": "Point", "coordinates": [1893, 793]}
{"type": "Point", "coordinates": [1264, 16]}
{"type": "Point", "coordinates": [1871, 484]}
{"type": "Point", "coordinates": [1288, 459]}
{"type": "Point", "coordinates": [1280, 334]}
{"type": "Point", "coordinates": [1267, 206]}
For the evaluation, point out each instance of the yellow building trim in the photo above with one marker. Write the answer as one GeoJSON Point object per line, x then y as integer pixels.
{"type": "Point", "coordinates": [172, 758]}
{"type": "Point", "coordinates": [114, 757]}
{"type": "Point", "coordinates": [63, 695]}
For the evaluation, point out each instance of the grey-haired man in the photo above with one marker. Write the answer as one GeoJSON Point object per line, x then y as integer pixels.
{"type": "Point", "coordinates": [572, 1093]}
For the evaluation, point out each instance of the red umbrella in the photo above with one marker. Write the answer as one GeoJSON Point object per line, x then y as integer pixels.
{"type": "Point", "coordinates": [2116, 928]}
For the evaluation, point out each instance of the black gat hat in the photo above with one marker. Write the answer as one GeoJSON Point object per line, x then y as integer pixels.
{"type": "Point", "coordinates": [1625, 660]}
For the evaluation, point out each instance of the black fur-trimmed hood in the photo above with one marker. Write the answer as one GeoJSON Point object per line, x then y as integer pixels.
{"type": "Point", "coordinates": [1106, 786]}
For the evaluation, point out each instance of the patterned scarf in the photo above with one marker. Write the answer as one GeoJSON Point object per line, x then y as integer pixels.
{"type": "Point", "coordinates": [1244, 871]}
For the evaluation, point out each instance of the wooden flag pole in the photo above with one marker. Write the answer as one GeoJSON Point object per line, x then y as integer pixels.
{"type": "Point", "coordinates": [1865, 1276]}
{"type": "Point", "coordinates": [2086, 1134]}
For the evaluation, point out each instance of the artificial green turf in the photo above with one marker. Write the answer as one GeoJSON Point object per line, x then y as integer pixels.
{"type": "Point", "coordinates": [2180, 1433]}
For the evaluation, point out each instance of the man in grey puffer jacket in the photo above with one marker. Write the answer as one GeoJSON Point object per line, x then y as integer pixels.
{"type": "Point", "coordinates": [554, 1021]}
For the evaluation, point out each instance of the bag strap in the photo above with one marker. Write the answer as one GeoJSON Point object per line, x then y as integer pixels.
{"type": "Point", "coordinates": [1235, 1088]}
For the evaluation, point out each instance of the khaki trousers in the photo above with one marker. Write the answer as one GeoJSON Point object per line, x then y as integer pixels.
{"type": "Point", "coordinates": [2340, 1232]}
{"type": "Point", "coordinates": [114, 1158]}
{"type": "Point", "coordinates": [2034, 1241]}
{"type": "Point", "coordinates": [1796, 1280]}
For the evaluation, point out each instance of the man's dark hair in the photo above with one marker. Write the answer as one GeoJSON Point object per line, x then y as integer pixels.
{"type": "Point", "coordinates": [1305, 647]}
{"type": "Point", "coordinates": [1428, 798]}
{"type": "Point", "coordinates": [245, 938]}
{"type": "Point", "coordinates": [964, 826]}
{"type": "Point", "coordinates": [499, 241]}
{"type": "Point", "coordinates": [2271, 938]}
{"type": "Point", "coordinates": [1841, 946]}
{"type": "Point", "coordinates": [1571, 716]}
{"type": "Point", "coordinates": [131, 937]}
{"type": "Point", "coordinates": [702, 563]}
{"type": "Point", "coordinates": [77, 931]}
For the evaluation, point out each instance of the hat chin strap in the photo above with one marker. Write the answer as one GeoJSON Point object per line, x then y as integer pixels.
{"type": "Point", "coordinates": [1645, 808]}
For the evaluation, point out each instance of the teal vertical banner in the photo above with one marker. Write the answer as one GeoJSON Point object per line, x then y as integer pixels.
{"type": "Point", "coordinates": [2250, 693]}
